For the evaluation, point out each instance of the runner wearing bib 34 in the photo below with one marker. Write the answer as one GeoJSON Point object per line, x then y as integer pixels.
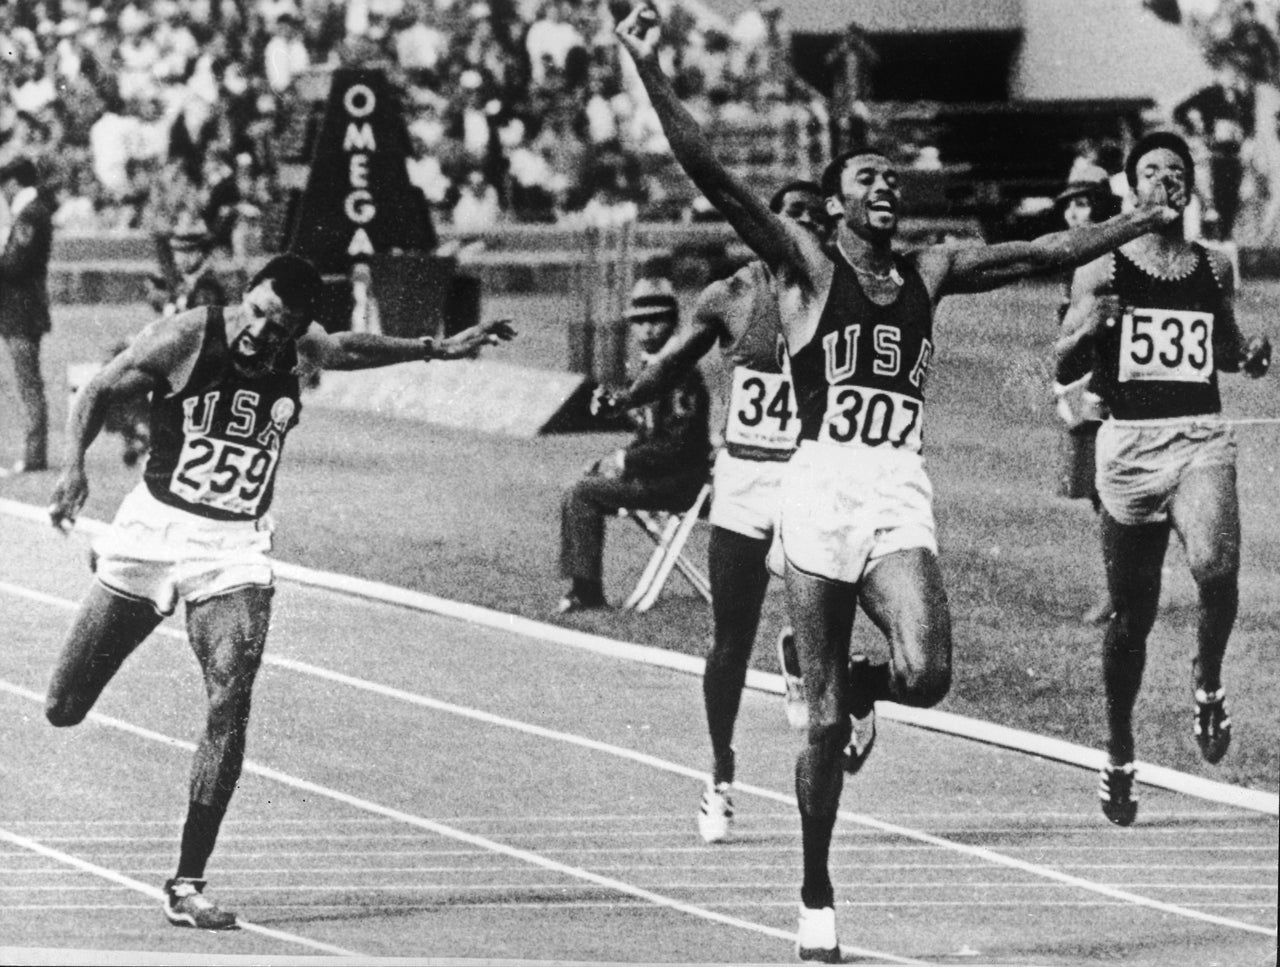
{"type": "Point", "coordinates": [762, 424]}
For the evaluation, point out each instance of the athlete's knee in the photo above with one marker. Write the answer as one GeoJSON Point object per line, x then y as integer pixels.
{"type": "Point", "coordinates": [1216, 574]}
{"type": "Point", "coordinates": [922, 686]}
{"type": "Point", "coordinates": [829, 734]}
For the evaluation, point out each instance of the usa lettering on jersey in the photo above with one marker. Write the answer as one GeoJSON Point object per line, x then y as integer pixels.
{"type": "Point", "coordinates": [862, 408]}
{"type": "Point", "coordinates": [228, 459]}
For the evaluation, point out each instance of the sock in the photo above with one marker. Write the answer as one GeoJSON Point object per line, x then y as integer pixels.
{"type": "Point", "coordinates": [588, 589]}
{"type": "Point", "coordinates": [199, 834]}
{"type": "Point", "coordinates": [817, 892]}
{"type": "Point", "coordinates": [867, 684]}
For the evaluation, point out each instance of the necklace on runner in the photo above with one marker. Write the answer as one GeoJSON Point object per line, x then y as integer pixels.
{"type": "Point", "coordinates": [893, 275]}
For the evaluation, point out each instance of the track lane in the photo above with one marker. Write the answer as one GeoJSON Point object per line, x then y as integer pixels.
{"type": "Point", "coordinates": [659, 718]}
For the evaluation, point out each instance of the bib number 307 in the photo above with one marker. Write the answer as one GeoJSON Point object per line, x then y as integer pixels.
{"type": "Point", "coordinates": [224, 475]}
{"type": "Point", "coordinates": [872, 418]}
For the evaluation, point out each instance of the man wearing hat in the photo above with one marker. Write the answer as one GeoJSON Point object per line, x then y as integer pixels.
{"type": "Point", "coordinates": [662, 468]}
{"type": "Point", "coordinates": [197, 282]}
{"type": "Point", "coordinates": [24, 301]}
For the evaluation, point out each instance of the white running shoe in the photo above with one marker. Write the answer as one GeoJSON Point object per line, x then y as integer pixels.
{"type": "Point", "coordinates": [816, 938]}
{"type": "Point", "coordinates": [716, 812]}
{"type": "Point", "coordinates": [862, 739]}
{"type": "Point", "coordinates": [797, 702]}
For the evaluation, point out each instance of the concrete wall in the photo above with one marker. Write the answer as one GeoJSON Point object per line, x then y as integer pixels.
{"type": "Point", "coordinates": [1103, 49]}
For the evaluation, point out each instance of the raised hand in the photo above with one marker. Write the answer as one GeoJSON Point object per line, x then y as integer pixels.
{"type": "Point", "coordinates": [640, 31]}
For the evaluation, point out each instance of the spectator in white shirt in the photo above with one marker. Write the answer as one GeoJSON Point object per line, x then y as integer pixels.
{"type": "Point", "coordinates": [286, 55]}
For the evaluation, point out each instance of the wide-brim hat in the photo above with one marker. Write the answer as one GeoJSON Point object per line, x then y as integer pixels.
{"type": "Point", "coordinates": [1085, 179]}
{"type": "Point", "coordinates": [190, 241]}
{"type": "Point", "coordinates": [652, 300]}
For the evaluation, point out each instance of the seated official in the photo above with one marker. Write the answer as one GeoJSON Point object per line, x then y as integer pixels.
{"type": "Point", "coordinates": [662, 468]}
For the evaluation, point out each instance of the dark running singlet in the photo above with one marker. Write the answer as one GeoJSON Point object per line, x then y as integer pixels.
{"type": "Point", "coordinates": [860, 380]}
{"type": "Point", "coordinates": [1157, 361]}
{"type": "Point", "coordinates": [761, 422]}
{"type": "Point", "coordinates": [216, 442]}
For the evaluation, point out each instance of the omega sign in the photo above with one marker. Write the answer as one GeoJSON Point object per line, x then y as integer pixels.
{"type": "Point", "coordinates": [359, 142]}
{"type": "Point", "coordinates": [359, 203]}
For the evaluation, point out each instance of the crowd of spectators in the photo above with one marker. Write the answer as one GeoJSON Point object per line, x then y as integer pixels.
{"type": "Point", "coordinates": [155, 114]}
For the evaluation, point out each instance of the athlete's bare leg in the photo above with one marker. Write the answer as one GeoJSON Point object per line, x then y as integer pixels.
{"type": "Point", "coordinates": [904, 596]}
{"type": "Point", "coordinates": [106, 631]}
{"type": "Point", "coordinates": [822, 613]}
{"type": "Point", "coordinates": [227, 633]}
{"type": "Point", "coordinates": [1206, 515]}
{"type": "Point", "coordinates": [739, 579]}
{"type": "Point", "coordinates": [1133, 555]}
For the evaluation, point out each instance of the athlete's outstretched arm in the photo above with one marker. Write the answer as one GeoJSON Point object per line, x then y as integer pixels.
{"type": "Point", "coordinates": [367, 350]}
{"type": "Point", "coordinates": [681, 353]}
{"type": "Point", "coordinates": [148, 364]}
{"type": "Point", "coordinates": [782, 246]}
{"type": "Point", "coordinates": [979, 268]}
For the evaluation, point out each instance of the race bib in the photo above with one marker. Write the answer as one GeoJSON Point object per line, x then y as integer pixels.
{"type": "Point", "coordinates": [862, 417]}
{"type": "Point", "coordinates": [762, 411]}
{"type": "Point", "coordinates": [1171, 345]}
{"type": "Point", "coordinates": [227, 476]}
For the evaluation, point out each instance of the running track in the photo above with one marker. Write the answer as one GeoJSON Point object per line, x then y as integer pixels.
{"type": "Point", "coordinates": [421, 787]}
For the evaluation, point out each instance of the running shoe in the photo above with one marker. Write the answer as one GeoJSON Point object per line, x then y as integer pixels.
{"type": "Point", "coordinates": [185, 905]}
{"type": "Point", "coordinates": [716, 812]}
{"type": "Point", "coordinates": [1212, 725]}
{"type": "Point", "coordinates": [816, 938]}
{"type": "Point", "coordinates": [1115, 789]}
{"type": "Point", "coordinates": [797, 703]}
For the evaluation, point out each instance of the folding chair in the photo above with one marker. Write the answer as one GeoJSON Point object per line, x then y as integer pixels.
{"type": "Point", "coordinates": [669, 532]}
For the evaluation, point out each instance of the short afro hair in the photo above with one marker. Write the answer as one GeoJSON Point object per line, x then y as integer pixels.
{"type": "Point", "coordinates": [295, 281]}
{"type": "Point", "coordinates": [775, 203]}
{"type": "Point", "coordinates": [1152, 142]}
{"type": "Point", "coordinates": [832, 172]}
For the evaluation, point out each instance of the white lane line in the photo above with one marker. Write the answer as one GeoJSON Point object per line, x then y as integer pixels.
{"type": "Point", "coordinates": [366, 869]}
{"type": "Point", "coordinates": [440, 829]}
{"type": "Point", "coordinates": [677, 833]}
{"type": "Point", "coordinates": [728, 886]}
{"type": "Point", "coordinates": [893, 829]}
{"type": "Point", "coordinates": [934, 720]}
{"type": "Point", "coordinates": [156, 894]}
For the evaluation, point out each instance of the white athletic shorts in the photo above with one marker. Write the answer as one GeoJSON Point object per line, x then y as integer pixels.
{"type": "Point", "coordinates": [160, 554]}
{"type": "Point", "coordinates": [844, 508]}
{"type": "Point", "coordinates": [1140, 462]}
{"type": "Point", "coordinates": [744, 495]}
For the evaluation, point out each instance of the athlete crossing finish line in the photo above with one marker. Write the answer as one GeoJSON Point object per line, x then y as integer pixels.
{"type": "Point", "coordinates": [224, 385]}
{"type": "Point", "coordinates": [857, 517]}
{"type": "Point", "coordinates": [761, 428]}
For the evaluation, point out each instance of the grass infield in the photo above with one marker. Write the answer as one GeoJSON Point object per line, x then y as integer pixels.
{"type": "Point", "coordinates": [475, 518]}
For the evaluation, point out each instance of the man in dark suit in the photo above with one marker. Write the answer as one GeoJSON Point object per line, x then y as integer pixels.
{"type": "Point", "coordinates": [24, 301]}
